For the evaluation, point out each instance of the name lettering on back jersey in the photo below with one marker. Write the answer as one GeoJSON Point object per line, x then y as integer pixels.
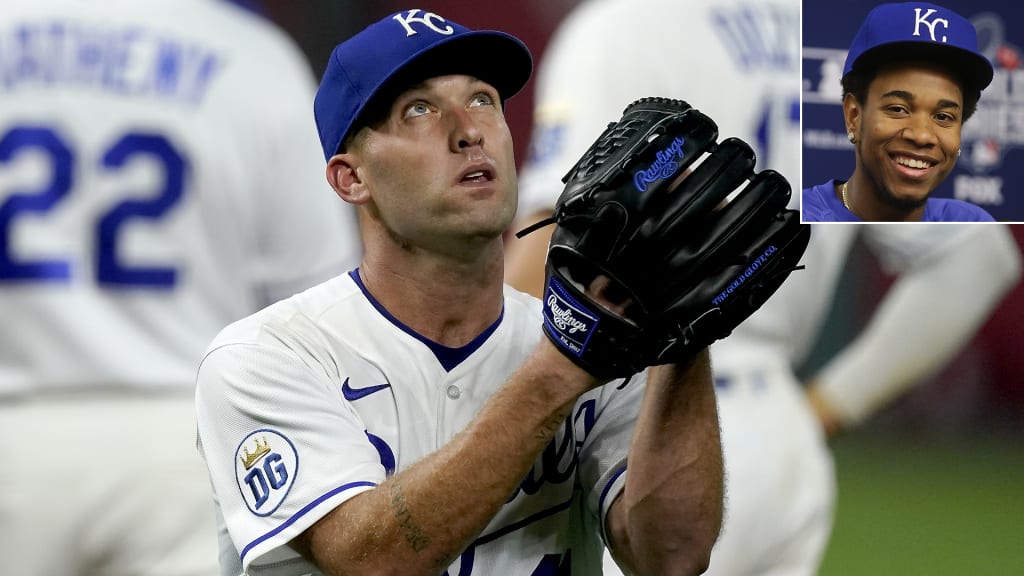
{"type": "Point", "coordinates": [128, 62]}
{"type": "Point", "coordinates": [758, 38]}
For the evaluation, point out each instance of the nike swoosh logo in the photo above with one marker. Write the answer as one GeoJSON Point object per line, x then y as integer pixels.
{"type": "Point", "coordinates": [352, 394]}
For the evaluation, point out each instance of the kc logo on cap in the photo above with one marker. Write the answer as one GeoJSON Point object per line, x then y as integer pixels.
{"type": "Point", "coordinates": [920, 19]}
{"type": "Point", "coordinates": [428, 19]}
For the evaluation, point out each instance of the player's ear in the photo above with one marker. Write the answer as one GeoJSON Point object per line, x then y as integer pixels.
{"type": "Point", "coordinates": [852, 116]}
{"type": "Point", "coordinates": [344, 175]}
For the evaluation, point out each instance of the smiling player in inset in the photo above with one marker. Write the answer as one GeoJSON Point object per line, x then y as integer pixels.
{"type": "Point", "coordinates": [913, 76]}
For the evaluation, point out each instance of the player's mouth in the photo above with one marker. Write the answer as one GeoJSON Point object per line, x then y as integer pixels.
{"type": "Point", "coordinates": [913, 166]}
{"type": "Point", "coordinates": [477, 175]}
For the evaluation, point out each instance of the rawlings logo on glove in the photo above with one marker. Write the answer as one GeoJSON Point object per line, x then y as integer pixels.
{"type": "Point", "coordinates": [664, 166]}
{"type": "Point", "coordinates": [568, 320]}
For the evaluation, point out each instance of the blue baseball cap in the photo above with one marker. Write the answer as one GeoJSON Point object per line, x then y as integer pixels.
{"type": "Point", "coordinates": [919, 29]}
{"type": "Point", "coordinates": [403, 49]}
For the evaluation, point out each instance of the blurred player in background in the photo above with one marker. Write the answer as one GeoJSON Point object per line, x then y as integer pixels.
{"type": "Point", "coordinates": [158, 179]}
{"type": "Point", "coordinates": [739, 62]}
{"type": "Point", "coordinates": [913, 77]}
{"type": "Point", "coordinates": [730, 59]}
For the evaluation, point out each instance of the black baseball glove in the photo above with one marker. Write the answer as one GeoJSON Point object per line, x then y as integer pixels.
{"type": "Point", "coordinates": [657, 255]}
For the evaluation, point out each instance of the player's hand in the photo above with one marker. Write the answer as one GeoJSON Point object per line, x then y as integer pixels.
{"type": "Point", "coordinates": [829, 419]}
{"type": "Point", "coordinates": [611, 296]}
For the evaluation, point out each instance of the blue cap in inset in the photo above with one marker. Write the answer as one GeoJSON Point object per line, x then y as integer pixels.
{"type": "Point", "coordinates": [918, 28]}
{"type": "Point", "coordinates": [411, 45]}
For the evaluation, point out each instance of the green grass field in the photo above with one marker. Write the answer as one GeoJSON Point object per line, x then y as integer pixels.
{"type": "Point", "coordinates": [936, 508]}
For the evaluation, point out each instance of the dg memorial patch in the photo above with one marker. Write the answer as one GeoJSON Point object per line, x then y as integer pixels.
{"type": "Point", "coordinates": [265, 467]}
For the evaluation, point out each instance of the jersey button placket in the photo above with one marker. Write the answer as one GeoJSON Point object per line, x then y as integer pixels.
{"type": "Point", "coordinates": [453, 392]}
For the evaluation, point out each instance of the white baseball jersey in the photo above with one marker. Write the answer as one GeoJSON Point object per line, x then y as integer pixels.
{"type": "Point", "coordinates": [323, 395]}
{"type": "Point", "coordinates": [738, 61]}
{"type": "Point", "coordinates": [160, 177]}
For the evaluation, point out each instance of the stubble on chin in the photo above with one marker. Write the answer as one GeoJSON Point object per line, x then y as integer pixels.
{"type": "Point", "coordinates": [901, 203]}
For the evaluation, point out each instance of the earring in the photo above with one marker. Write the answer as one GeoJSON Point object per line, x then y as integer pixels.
{"type": "Point", "coordinates": [851, 137]}
{"type": "Point", "coordinates": [957, 152]}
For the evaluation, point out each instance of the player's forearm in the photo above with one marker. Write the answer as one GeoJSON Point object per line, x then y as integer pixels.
{"type": "Point", "coordinates": [927, 316]}
{"type": "Point", "coordinates": [421, 519]}
{"type": "Point", "coordinates": [671, 508]}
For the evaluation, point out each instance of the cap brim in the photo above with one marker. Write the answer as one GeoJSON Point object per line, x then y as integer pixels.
{"type": "Point", "coordinates": [497, 58]}
{"type": "Point", "coordinates": [975, 70]}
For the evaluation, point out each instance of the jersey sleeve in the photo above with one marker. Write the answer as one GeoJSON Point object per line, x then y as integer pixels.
{"type": "Point", "coordinates": [605, 447]}
{"type": "Point", "coordinates": [282, 445]}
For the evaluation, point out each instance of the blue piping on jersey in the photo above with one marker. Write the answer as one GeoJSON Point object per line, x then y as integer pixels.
{"type": "Point", "coordinates": [448, 357]}
{"type": "Point", "coordinates": [520, 524]}
{"type": "Point", "coordinates": [607, 487]}
{"type": "Point", "coordinates": [600, 503]}
{"type": "Point", "coordinates": [299, 514]}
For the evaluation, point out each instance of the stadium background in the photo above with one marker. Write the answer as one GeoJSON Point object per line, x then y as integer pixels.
{"type": "Point", "coordinates": [935, 483]}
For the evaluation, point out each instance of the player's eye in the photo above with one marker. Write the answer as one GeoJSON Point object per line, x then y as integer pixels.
{"type": "Point", "coordinates": [945, 117]}
{"type": "Point", "coordinates": [896, 109]}
{"type": "Point", "coordinates": [416, 109]}
{"type": "Point", "coordinates": [482, 99]}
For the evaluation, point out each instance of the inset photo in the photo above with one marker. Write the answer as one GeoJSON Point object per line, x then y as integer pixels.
{"type": "Point", "coordinates": [912, 112]}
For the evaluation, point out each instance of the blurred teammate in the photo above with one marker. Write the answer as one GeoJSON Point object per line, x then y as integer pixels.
{"type": "Point", "coordinates": [779, 480]}
{"type": "Point", "coordinates": [409, 416]}
{"type": "Point", "coordinates": [913, 77]}
{"type": "Point", "coordinates": [739, 61]}
{"type": "Point", "coordinates": [158, 179]}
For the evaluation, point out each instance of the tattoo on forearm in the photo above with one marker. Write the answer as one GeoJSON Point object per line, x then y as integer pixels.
{"type": "Point", "coordinates": [414, 535]}
{"type": "Point", "coordinates": [550, 427]}
{"type": "Point", "coordinates": [547, 430]}
{"type": "Point", "coordinates": [444, 560]}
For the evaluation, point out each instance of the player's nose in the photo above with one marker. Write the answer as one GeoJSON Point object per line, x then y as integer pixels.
{"type": "Point", "coordinates": [465, 131]}
{"type": "Point", "coordinates": [920, 130]}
